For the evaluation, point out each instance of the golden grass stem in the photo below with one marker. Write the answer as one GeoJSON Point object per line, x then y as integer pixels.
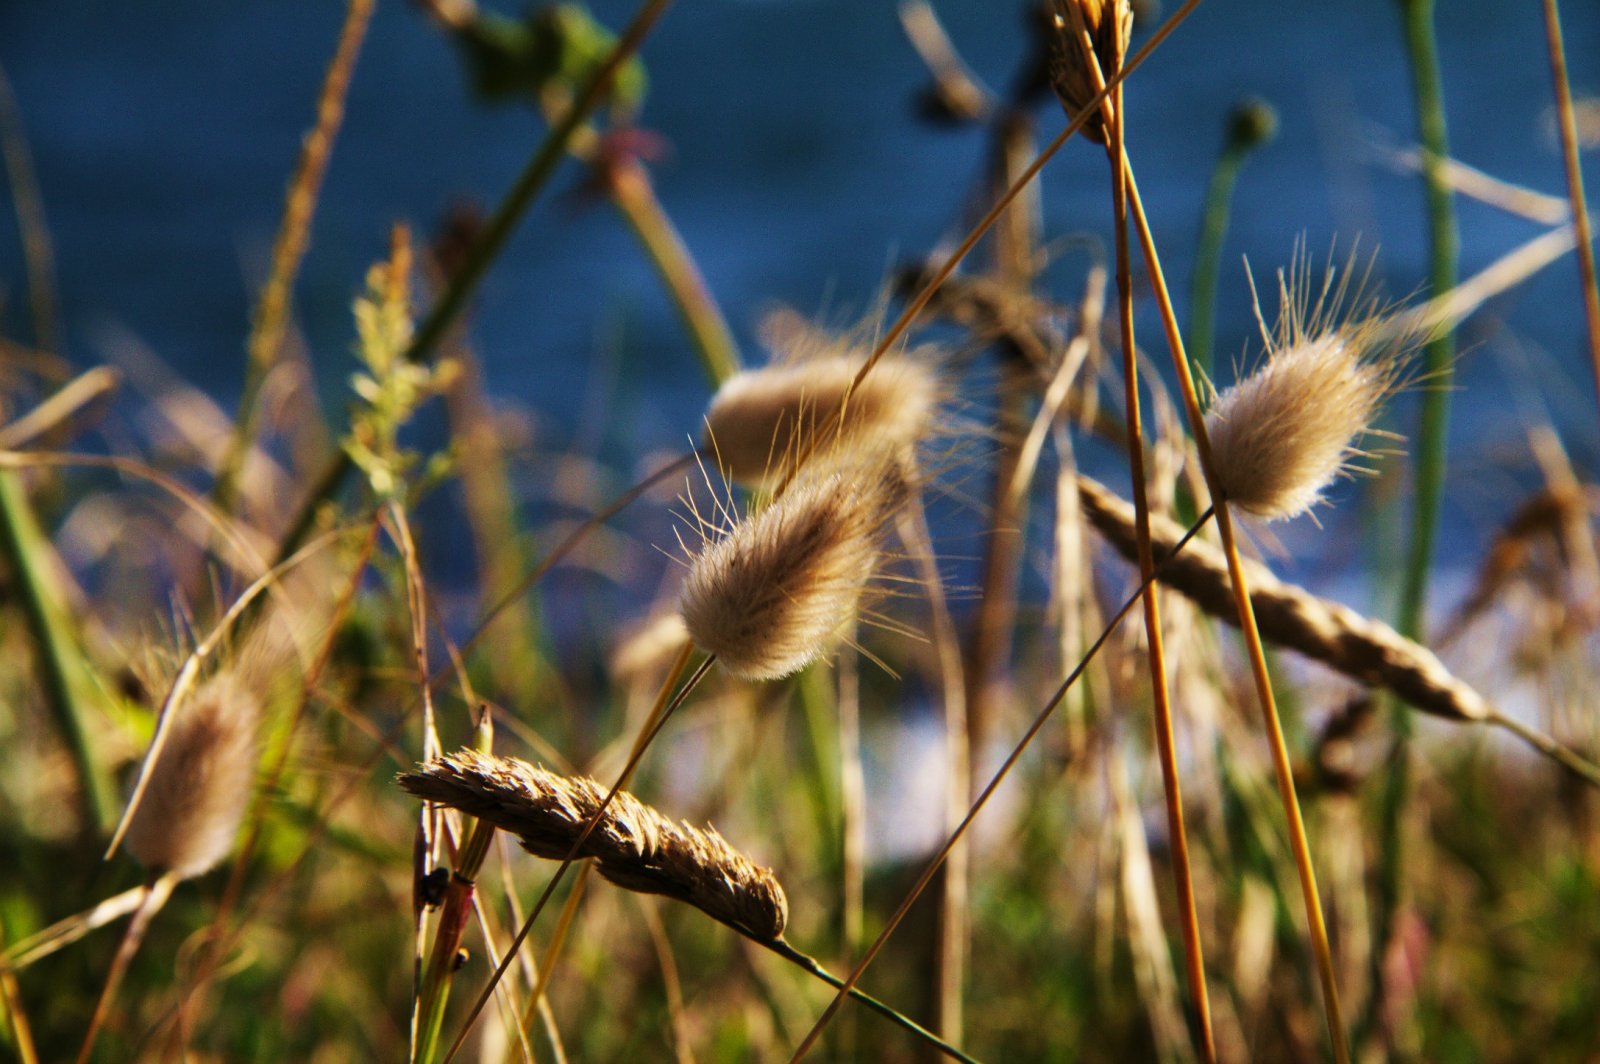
{"type": "Point", "coordinates": [954, 930]}
{"type": "Point", "coordinates": [84, 389]}
{"type": "Point", "coordinates": [65, 671]}
{"type": "Point", "coordinates": [1114, 117]}
{"type": "Point", "coordinates": [156, 897]}
{"type": "Point", "coordinates": [659, 715]}
{"type": "Point", "coordinates": [989, 789]}
{"type": "Point", "coordinates": [1566, 124]}
{"type": "Point", "coordinates": [565, 920]}
{"type": "Point", "coordinates": [1300, 846]}
{"type": "Point", "coordinates": [288, 250]}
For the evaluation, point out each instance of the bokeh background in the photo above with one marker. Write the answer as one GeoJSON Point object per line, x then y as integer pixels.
{"type": "Point", "coordinates": [797, 169]}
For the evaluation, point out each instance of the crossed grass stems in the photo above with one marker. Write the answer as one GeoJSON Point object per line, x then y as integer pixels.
{"type": "Point", "coordinates": [1126, 200]}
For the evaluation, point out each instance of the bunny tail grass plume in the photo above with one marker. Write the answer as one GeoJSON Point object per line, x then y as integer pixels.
{"type": "Point", "coordinates": [633, 845]}
{"type": "Point", "coordinates": [770, 596]}
{"type": "Point", "coordinates": [201, 782]}
{"type": "Point", "coordinates": [762, 419]}
{"type": "Point", "coordinates": [1109, 22]}
{"type": "Point", "coordinates": [1280, 435]}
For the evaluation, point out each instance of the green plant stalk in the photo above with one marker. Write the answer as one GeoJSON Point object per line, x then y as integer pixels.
{"type": "Point", "coordinates": [809, 964]}
{"type": "Point", "coordinates": [1250, 124]}
{"type": "Point", "coordinates": [68, 684]}
{"type": "Point", "coordinates": [1208, 254]}
{"type": "Point", "coordinates": [447, 938]}
{"type": "Point", "coordinates": [495, 233]}
{"type": "Point", "coordinates": [635, 197]}
{"type": "Point", "coordinates": [1416, 17]}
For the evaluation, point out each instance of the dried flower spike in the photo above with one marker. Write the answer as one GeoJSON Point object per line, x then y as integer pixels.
{"type": "Point", "coordinates": [1109, 22]}
{"type": "Point", "coordinates": [633, 845]}
{"type": "Point", "coordinates": [1281, 435]}
{"type": "Point", "coordinates": [771, 595]}
{"type": "Point", "coordinates": [200, 784]}
{"type": "Point", "coordinates": [762, 420]}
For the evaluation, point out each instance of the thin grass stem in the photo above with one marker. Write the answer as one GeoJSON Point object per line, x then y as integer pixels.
{"type": "Point", "coordinates": [659, 716]}
{"type": "Point", "coordinates": [1284, 771]}
{"type": "Point", "coordinates": [496, 231]}
{"type": "Point", "coordinates": [1566, 125]}
{"type": "Point", "coordinates": [989, 789]}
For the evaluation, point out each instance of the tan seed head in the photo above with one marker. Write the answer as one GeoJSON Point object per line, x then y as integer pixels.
{"type": "Point", "coordinates": [762, 420]}
{"type": "Point", "coordinates": [772, 595]}
{"type": "Point", "coordinates": [1282, 434]}
{"type": "Point", "coordinates": [201, 782]}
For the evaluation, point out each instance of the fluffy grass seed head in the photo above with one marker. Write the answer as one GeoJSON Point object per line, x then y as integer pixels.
{"type": "Point", "coordinates": [633, 845]}
{"type": "Point", "coordinates": [762, 420]}
{"type": "Point", "coordinates": [1109, 22]}
{"type": "Point", "coordinates": [1280, 435]}
{"type": "Point", "coordinates": [201, 782]}
{"type": "Point", "coordinates": [773, 593]}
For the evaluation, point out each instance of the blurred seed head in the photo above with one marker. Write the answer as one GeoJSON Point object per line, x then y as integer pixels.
{"type": "Point", "coordinates": [762, 420]}
{"type": "Point", "coordinates": [201, 782]}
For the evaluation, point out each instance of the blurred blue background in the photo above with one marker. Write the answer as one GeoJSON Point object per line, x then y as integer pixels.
{"type": "Point", "coordinates": [163, 134]}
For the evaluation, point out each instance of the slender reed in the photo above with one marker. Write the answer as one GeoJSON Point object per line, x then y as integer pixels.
{"type": "Point", "coordinates": [1417, 24]}
{"type": "Point", "coordinates": [1282, 767]}
{"type": "Point", "coordinates": [1078, 74]}
{"type": "Point", "coordinates": [937, 861]}
{"type": "Point", "coordinates": [1566, 124]}
{"type": "Point", "coordinates": [1251, 124]}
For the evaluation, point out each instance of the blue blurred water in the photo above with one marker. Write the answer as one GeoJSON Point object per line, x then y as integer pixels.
{"type": "Point", "coordinates": [163, 133]}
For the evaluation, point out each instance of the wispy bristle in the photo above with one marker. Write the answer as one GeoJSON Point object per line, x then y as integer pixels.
{"type": "Point", "coordinates": [763, 419]}
{"type": "Point", "coordinates": [201, 783]}
{"type": "Point", "coordinates": [1282, 434]}
{"type": "Point", "coordinates": [770, 596]}
{"type": "Point", "coordinates": [633, 845]}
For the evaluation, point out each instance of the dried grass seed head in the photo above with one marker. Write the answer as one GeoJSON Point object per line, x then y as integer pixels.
{"type": "Point", "coordinates": [763, 420]}
{"type": "Point", "coordinates": [201, 782]}
{"type": "Point", "coordinates": [1110, 23]}
{"type": "Point", "coordinates": [633, 845]}
{"type": "Point", "coordinates": [1280, 435]}
{"type": "Point", "coordinates": [773, 594]}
